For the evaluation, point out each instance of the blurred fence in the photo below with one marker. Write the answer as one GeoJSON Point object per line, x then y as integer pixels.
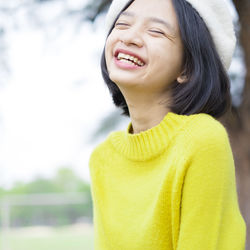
{"type": "Point", "coordinates": [11, 202]}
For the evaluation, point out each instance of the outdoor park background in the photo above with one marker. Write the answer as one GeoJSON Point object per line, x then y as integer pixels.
{"type": "Point", "coordinates": [55, 108]}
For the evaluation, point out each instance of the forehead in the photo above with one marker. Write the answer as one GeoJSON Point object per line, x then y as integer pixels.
{"type": "Point", "coordinates": [161, 11]}
{"type": "Point", "coordinates": [152, 19]}
{"type": "Point", "coordinates": [158, 8]}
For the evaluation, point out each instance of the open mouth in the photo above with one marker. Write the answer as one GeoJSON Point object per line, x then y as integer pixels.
{"type": "Point", "coordinates": [133, 60]}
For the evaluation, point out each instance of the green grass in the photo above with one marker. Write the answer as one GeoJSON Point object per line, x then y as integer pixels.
{"type": "Point", "coordinates": [44, 238]}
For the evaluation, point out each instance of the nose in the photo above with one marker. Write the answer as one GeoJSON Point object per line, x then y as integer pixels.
{"type": "Point", "coordinates": [132, 36]}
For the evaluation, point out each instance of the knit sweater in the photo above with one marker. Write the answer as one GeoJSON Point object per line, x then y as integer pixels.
{"type": "Point", "coordinates": [171, 187]}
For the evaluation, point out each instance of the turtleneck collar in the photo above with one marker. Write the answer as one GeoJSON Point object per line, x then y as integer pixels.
{"type": "Point", "coordinates": [149, 143]}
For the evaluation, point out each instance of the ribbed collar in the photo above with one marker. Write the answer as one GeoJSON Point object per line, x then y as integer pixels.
{"type": "Point", "coordinates": [150, 143]}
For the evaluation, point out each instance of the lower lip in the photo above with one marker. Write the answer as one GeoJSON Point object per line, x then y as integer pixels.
{"type": "Point", "coordinates": [125, 65]}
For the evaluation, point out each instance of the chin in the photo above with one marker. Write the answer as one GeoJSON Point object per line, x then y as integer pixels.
{"type": "Point", "coordinates": [125, 81]}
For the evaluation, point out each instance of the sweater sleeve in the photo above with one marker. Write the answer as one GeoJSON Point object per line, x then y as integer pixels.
{"type": "Point", "coordinates": [210, 217]}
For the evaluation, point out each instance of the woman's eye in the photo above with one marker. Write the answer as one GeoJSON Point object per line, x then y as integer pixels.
{"type": "Point", "coordinates": [121, 24]}
{"type": "Point", "coordinates": [157, 31]}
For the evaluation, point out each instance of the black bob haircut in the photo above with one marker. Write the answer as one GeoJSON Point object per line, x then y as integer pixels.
{"type": "Point", "coordinates": [207, 89]}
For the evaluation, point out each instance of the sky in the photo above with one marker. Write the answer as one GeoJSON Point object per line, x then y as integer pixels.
{"type": "Point", "coordinates": [53, 100]}
{"type": "Point", "coordinates": [54, 97]}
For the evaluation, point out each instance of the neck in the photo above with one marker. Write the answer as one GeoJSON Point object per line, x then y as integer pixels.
{"type": "Point", "coordinates": [146, 113]}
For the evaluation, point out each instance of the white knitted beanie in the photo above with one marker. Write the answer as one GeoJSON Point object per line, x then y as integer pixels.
{"type": "Point", "coordinates": [215, 14]}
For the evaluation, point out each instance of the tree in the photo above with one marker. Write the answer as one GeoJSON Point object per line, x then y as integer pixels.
{"type": "Point", "coordinates": [238, 122]}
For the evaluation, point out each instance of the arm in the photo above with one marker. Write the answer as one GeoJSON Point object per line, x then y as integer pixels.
{"type": "Point", "coordinates": [210, 216]}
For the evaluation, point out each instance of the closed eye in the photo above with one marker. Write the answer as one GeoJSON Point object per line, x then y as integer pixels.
{"type": "Point", "coordinates": [157, 31]}
{"type": "Point", "coordinates": [121, 24]}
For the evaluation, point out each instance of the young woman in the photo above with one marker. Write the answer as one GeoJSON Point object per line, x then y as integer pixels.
{"type": "Point", "coordinates": [168, 181]}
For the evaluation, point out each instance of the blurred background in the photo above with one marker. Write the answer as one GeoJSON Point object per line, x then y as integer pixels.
{"type": "Point", "coordinates": [55, 108]}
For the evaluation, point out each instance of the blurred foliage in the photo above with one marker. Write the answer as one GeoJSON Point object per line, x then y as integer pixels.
{"type": "Point", "coordinates": [108, 124]}
{"type": "Point", "coordinates": [65, 181]}
{"type": "Point", "coordinates": [95, 8]}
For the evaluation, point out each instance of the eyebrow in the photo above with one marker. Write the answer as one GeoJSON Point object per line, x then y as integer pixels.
{"type": "Point", "coordinates": [152, 19]}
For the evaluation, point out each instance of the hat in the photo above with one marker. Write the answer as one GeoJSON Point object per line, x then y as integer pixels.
{"type": "Point", "coordinates": [215, 14]}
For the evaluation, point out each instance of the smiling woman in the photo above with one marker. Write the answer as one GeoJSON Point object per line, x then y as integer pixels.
{"type": "Point", "coordinates": [168, 181]}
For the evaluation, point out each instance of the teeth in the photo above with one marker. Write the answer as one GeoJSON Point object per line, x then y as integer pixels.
{"type": "Point", "coordinates": [131, 58]}
{"type": "Point", "coordinates": [140, 63]}
{"type": "Point", "coordinates": [119, 56]}
{"type": "Point", "coordinates": [127, 61]}
{"type": "Point", "coordinates": [122, 56]}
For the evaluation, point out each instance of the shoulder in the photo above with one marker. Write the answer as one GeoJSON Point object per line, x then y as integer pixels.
{"type": "Point", "coordinates": [102, 150]}
{"type": "Point", "coordinates": [205, 126]}
{"type": "Point", "coordinates": [205, 147]}
{"type": "Point", "coordinates": [204, 131]}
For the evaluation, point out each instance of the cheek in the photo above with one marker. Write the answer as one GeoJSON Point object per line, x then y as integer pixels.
{"type": "Point", "coordinates": [166, 63]}
{"type": "Point", "coordinates": [108, 50]}
{"type": "Point", "coordinates": [171, 58]}
{"type": "Point", "coordinates": [106, 56]}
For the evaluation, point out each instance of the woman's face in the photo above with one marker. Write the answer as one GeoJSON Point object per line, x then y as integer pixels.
{"type": "Point", "coordinates": [144, 49]}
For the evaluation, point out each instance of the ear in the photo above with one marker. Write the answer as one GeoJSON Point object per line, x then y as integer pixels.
{"type": "Point", "coordinates": [182, 78]}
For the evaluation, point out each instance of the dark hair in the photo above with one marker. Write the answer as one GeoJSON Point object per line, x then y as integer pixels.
{"type": "Point", "coordinates": [207, 89]}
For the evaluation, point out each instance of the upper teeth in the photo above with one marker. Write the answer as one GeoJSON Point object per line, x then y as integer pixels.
{"type": "Point", "coordinates": [131, 58]}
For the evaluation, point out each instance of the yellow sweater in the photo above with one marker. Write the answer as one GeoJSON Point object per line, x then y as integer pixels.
{"type": "Point", "coordinates": [171, 187]}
